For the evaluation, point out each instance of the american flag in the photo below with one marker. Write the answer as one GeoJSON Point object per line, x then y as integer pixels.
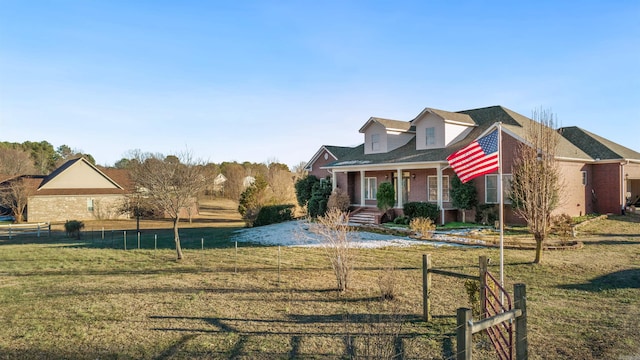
{"type": "Point", "coordinates": [478, 158]}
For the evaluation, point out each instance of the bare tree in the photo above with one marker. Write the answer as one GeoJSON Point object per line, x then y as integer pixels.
{"type": "Point", "coordinates": [535, 188]}
{"type": "Point", "coordinates": [14, 194]}
{"type": "Point", "coordinates": [15, 161]}
{"type": "Point", "coordinates": [171, 183]}
{"type": "Point", "coordinates": [335, 235]}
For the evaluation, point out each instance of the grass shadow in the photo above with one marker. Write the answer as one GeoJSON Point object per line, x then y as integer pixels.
{"type": "Point", "coordinates": [623, 279]}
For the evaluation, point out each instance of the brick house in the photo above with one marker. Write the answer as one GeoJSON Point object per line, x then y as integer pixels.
{"type": "Point", "coordinates": [599, 176]}
{"type": "Point", "coordinates": [77, 190]}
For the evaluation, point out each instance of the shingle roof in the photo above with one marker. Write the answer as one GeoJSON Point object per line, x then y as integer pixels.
{"type": "Point", "coordinates": [596, 146]}
{"type": "Point", "coordinates": [484, 118]}
{"type": "Point", "coordinates": [389, 124]}
{"type": "Point", "coordinates": [339, 151]}
{"type": "Point", "coordinates": [457, 117]}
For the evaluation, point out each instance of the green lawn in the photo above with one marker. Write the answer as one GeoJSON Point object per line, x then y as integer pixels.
{"type": "Point", "coordinates": [82, 299]}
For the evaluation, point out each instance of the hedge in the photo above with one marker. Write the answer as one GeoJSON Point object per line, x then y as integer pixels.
{"type": "Point", "coordinates": [421, 210]}
{"type": "Point", "coordinates": [274, 214]}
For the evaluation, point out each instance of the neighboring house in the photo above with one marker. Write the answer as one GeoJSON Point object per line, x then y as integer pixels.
{"type": "Point", "coordinates": [218, 184]}
{"type": "Point", "coordinates": [599, 175]}
{"type": "Point", "coordinates": [78, 190]}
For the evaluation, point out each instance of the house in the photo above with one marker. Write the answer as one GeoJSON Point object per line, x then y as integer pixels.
{"type": "Point", "coordinates": [77, 190]}
{"type": "Point", "coordinates": [599, 176]}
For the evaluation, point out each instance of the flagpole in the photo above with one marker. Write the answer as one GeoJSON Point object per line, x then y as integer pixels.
{"type": "Point", "coordinates": [501, 210]}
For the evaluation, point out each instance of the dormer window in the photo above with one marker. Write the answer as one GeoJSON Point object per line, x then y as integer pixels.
{"type": "Point", "coordinates": [430, 136]}
{"type": "Point", "coordinates": [375, 142]}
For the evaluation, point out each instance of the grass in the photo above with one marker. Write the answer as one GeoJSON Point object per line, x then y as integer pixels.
{"type": "Point", "coordinates": [61, 298]}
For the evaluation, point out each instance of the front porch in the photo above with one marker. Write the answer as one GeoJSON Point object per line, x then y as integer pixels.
{"type": "Point", "coordinates": [427, 183]}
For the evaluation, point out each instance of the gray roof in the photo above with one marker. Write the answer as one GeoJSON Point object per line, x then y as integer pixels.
{"type": "Point", "coordinates": [390, 124]}
{"type": "Point", "coordinates": [457, 117]}
{"type": "Point", "coordinates": [596, 146]}
{"type": "Point", "coordinates": [483, 118]}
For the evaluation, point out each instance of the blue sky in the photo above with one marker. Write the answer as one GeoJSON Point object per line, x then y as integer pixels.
{"type": "Point", "coordinates": [274, 80]}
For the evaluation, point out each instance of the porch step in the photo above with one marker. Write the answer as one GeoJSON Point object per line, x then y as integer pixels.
{"type": "Point", "coordinates": [364, 217]}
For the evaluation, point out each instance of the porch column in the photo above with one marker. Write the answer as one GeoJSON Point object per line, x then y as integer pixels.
{"type": "Point", "coordinates": [399, 202]}
{"type": "Point", "coordinates": [362, 189]}
{"type": "Point", "coordinates": [439, 172]}
{"type": "Point", "coordinates": [334, 180]}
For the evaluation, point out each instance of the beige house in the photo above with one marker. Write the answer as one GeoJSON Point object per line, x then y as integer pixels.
{"type": "Point", "coordinates": [78, 190]}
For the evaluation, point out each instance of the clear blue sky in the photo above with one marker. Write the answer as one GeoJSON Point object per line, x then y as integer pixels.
{"type": "Point", "coordinates": [274, 80]}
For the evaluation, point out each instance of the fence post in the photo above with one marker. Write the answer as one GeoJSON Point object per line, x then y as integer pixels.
{"type": "Point", "coordinates": [520, 302]}
{"type": "Point", "coordinates": [103, 233]}
{"type": "Point", "coordinates": [125, 239]}
{"type": "Point", "coordinates": [278, 265]}
{"type": "Point", "coordinates": [9, 231]}
{"type": "Point", "coordinates": [138, 240]}
{"type": "Point", "coordinates": [201, 243]}
{"type": "Point", "coordinates": [155, 242]}
{"type": "Point", "coordinates": [463, 334]}
{"type": "Point", "coordinates": [483, 265]}
{"type": "Point", "coordinates": [426, 286]}
{"type": "Point", "coordinates": [38, 229]}
{"type": "Point", "coordinates": [49, 235]}
{"type": "Point", "coordinates": [236, 259]}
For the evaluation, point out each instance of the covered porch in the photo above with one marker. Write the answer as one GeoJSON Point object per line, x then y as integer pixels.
{"type": "Point", "coordinates": [429, 182]}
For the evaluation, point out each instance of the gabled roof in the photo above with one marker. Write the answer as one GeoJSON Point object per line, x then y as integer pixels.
{"type": "Point", "coordinates": [596, 146]}
{"type": "Point", "coordinates": [389, 125]}
{"type": "Point", "coordinates": [337, 152]}
{"type": "Point", "coordinates": [45, 187]}
{"type": "Point", "coordinates": [457, 117]}
{"type": "Point", "coordinates": [484, 118]}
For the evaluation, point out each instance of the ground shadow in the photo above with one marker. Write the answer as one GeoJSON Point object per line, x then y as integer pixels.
{"type": "Point", "coordinates": [623, 279]}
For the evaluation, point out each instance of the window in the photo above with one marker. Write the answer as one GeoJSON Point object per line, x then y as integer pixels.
{"type": "Point", "coordinates": [89, 204]}
{"type": "Point", "coordinates": [584, 178]}
{"type": "Point", "coordinates": [431, 136]}
{"type": "Point", "coordinates": [370, 188]}
{"type": "Point", "coordinates": [375, 142]}
{"type": "Point", "coordinates": [491, 188]}
{"type": "Point", "coordinates": [432, 184]}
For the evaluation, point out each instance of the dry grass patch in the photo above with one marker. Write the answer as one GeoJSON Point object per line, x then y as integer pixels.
{"type": "Point", "coordinates": [58, 300]}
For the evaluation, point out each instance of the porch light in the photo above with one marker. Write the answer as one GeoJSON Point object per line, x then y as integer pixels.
{"type": "Point", "coordinates": [413, 176]}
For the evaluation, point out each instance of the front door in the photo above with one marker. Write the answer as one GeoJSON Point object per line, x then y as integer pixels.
{"type": "Point", "coordinates": [406, 185]}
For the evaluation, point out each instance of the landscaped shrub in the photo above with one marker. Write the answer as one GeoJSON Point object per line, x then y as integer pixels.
{"type": "Point", "coordinates": [73, 227]}
{"type": "Point", "coordinates": [304, 189]}
{"type": "Point", "coordinates": [421, 209]}
{"type": "Point", "coordinates": [563, 227]}
{"type": "Point", "coordinates": [317, 205]}
{"type": "Point", "coordinates": [339, 199]}
{"type": "Point", "coordinates": [486, 214]}
{"type": "Point", "coordinates": [424, 226]}
{"type": "Point", "coordinates": [274, 214]}
{"type": "Point", "coordinates": [401, 220]}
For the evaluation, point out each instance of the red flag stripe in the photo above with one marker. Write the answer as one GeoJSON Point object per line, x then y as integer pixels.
{"type": "Point", "coordinates": [478, 158]}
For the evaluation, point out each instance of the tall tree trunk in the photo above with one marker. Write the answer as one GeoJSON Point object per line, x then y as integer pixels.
{"type": "Point", "coordinates": [176, 237]}
{"type": "Point", "coordinates": [539, 240]}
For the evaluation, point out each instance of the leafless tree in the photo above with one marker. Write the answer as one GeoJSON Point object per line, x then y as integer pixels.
{"type": "Point", "coordinates": [14, 194]}
{"type": "Point", "coordinates": [16, 162]}
{"type": "Point", "coordinates": [336, 237]}
{"type": "Point", "coordinates": [535, 188]}
{"type": "Point", "coordinates": [171, 183]}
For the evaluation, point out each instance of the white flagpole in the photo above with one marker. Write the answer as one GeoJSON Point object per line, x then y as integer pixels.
{"type": "Point", "coordinates": [501, 212]}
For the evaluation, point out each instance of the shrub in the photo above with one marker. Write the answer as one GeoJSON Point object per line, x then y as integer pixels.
{"type": "Point", "coordinates": [274, 214]}
{"type": "Point", "coordinates": [421, 209]}
{"type": "Point", "coordinates": [317, 205]}
{"type": "Point", "coordinates": [563, 227]}
{"type": "Point", "coordinates": [387, 283]}
{"type": "Point", "coordinates": [386, 196]}
{"type": "Point", "coordinates": [304, 189]}
{"type": "Point", "coordinates": [424, 226]}
{"type": "Point", "coordinates": [486, 214]}
{"type": "Point", "coordinates": [339, 199]}
{"type": "Point", "coordinates": [472, 288]}
{"type": "Point", "coordinates": [73, 227]}
{"type": "Point", "coordinates": [401, 220]}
